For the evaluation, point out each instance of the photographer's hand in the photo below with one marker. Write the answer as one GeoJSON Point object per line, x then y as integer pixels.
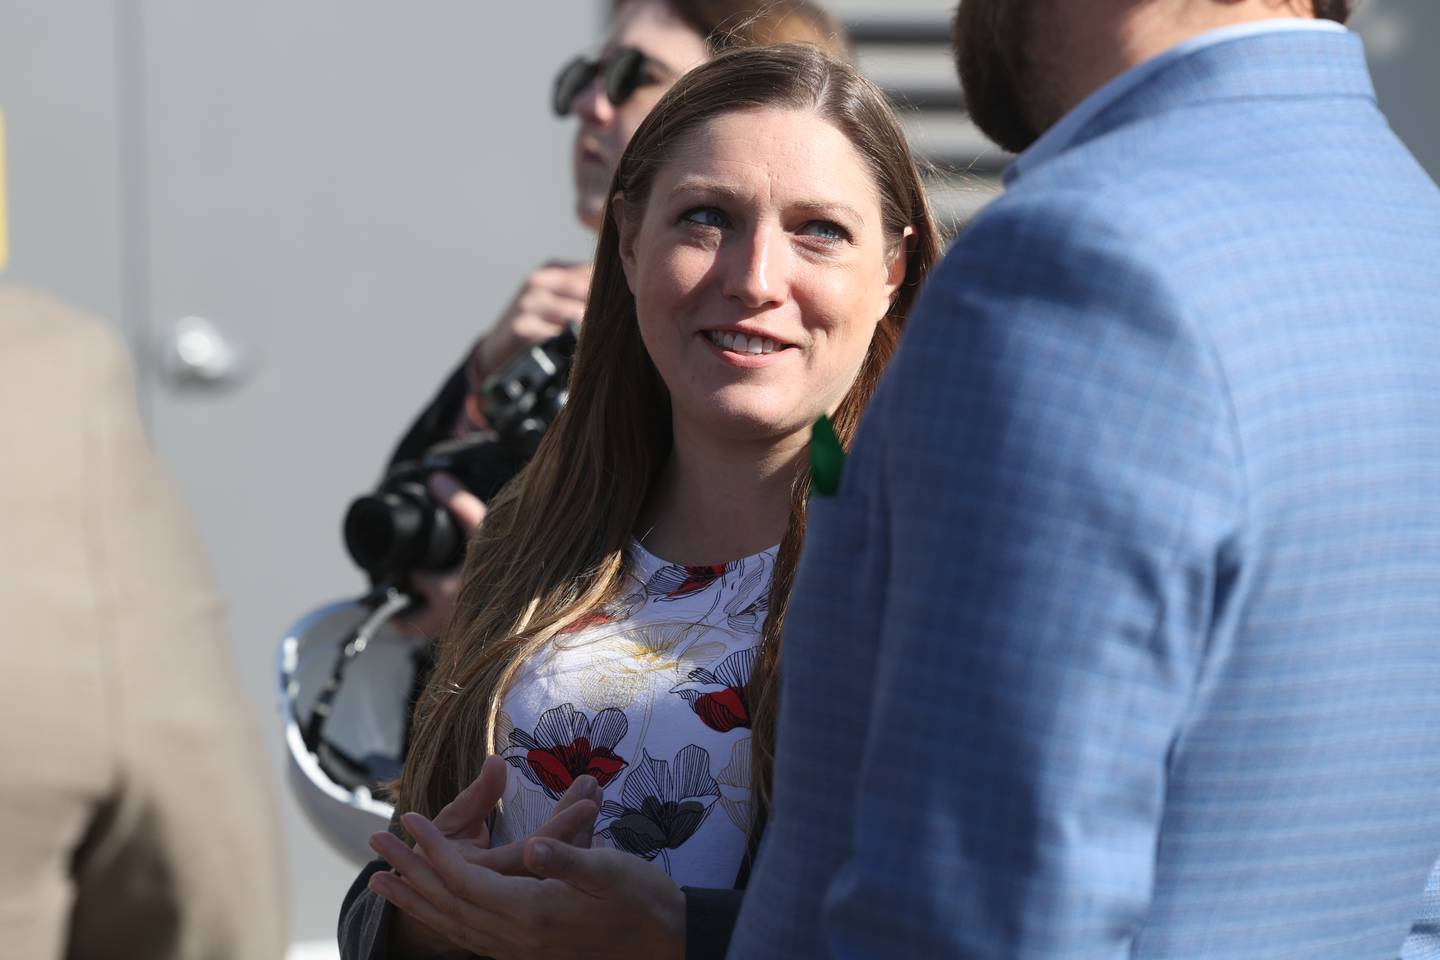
{"type": "Point", "coordinates": [550, 298]}
{"type": "Point", "coordinates": [438, 590]}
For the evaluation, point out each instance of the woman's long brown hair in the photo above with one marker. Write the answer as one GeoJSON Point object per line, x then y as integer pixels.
{"type": "Point", "coordinates": [552, 547]}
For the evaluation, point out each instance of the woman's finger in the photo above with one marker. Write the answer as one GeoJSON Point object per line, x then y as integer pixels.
{"type": "Point", "coordinates": [584, 787]}
{"type": "Point", "coordinates": [409, 864]}
{"type": "Point", "coordinates": [405, 897]}
{"type": "Point", "coordinates": [467, 509]}
{"type": "Point", "coordinates": [573, 825]}
{"type": "Point", "coordinates": [466, 814]}
{"type": "Point", "coordinates": [567, 279]}
{"type": "Point", "coordinates": [539, 309]}
{"type": "Point", "coordinates": [480, 887]}
{"type": "Point", "coordinates": [509, 858]}
{"type": "Point", "coordinates": [454, 871]}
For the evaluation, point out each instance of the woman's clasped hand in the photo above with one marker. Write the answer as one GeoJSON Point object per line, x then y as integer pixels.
{"type": "Point", "coordinates": [548, 896]}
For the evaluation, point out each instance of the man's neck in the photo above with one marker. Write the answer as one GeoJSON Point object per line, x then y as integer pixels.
{"type": "Point", "coordinates": [1088, 45]}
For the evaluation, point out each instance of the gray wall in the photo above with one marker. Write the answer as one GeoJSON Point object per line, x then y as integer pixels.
{"type": "Point", "coordinates": [1400, 38]}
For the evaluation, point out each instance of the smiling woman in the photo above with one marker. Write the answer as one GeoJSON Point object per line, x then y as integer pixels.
{"type": "Point", "coordinates": [758, 281]}
{"type": "Point", "coordinates": [615, 645]}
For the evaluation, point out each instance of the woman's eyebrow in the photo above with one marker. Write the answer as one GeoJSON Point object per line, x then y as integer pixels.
{"type": "Point", "coordinates": [830, 206]}
{"type": "Point", "coordinates": [668, 68]}
{"type": "Point", "coordinates": [722, 191]}
{"type": "Point", "coordinates": [710, 188]}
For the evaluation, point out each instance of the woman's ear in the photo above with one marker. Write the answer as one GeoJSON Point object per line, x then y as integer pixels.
{"type": "Point", "coordinates": [626, 231]}
{"type": "Point", "coordinates": [895, 276]}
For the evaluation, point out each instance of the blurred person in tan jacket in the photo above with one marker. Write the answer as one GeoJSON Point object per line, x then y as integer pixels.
{"type": "Point", "coordinates": [135, 815]}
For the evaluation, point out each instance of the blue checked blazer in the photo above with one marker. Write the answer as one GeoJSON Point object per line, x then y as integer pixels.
{"type": "Point", "coordinates": [1122, 636]}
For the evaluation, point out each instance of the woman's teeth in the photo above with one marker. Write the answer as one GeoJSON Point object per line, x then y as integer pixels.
{"type": "Point", "coordinates": [739, 343]}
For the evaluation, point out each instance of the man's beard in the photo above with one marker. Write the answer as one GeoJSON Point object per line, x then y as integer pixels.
{"type": "Point", "coordinates": [990, 47]}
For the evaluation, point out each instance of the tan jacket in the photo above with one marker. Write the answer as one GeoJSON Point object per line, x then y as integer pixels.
{"type": "Point", "coordinates": [136, 819]}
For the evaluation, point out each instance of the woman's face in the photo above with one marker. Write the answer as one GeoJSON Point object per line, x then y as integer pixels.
{"type": "Point", "coordinates": [672, 48]}
{"type": "Point", "coordinates": [760, 270]}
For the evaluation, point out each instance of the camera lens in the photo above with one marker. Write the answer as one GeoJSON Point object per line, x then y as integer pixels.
{"type": "Point", "coordinates": [382, 530]}
{"type": "Point", "coordinates": [400, 529]}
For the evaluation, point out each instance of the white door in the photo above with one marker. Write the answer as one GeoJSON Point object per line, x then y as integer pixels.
{"type": "Point", "coordinates": [347, 190]}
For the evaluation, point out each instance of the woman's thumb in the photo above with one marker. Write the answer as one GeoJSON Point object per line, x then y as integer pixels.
{"type": "Point", "coordinates": [550, 860]}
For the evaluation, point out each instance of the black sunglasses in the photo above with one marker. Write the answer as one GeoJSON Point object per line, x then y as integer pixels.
{"type": "Point", "coordinates": [623, 72]}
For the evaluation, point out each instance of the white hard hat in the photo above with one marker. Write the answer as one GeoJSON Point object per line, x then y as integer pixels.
{"type": "Point", "coordinates": [347, 683]}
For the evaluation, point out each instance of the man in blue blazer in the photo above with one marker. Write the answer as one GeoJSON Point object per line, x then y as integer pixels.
{"type": "Point", "coordinates": [1122, 635]}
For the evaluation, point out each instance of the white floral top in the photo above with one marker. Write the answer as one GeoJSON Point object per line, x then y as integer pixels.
{"type": "Point", "coordinates": [650, 698]}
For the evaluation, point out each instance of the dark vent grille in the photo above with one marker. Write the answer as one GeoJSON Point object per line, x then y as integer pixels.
{"type": "Point", "coordinates": [904, 45]}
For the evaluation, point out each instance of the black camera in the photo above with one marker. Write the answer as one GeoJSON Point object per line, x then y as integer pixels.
{"type": "Point", "coordinates": [400, 529]}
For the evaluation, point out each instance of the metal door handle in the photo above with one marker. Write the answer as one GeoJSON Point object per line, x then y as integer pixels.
{"type": "Point", "coordinates": [197, 353]}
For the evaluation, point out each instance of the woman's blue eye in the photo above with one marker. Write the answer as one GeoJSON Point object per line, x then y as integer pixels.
{"type": "Point", "coordinates": [706, 217]}
{"type": "Point", "coordinates": [826, 230]}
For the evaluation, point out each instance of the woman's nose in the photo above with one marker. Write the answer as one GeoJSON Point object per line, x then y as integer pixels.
{"type": "Point", "coordinates": [593, 106]}
{"type": "Point", "coordinates": [757, 274]}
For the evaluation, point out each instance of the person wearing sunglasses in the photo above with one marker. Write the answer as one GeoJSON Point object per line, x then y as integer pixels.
{"type": "Point", "coordinates": [650, 45]}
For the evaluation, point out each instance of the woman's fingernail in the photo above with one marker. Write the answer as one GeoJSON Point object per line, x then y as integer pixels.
{"type": "Point", "coordinates": [540, 853]}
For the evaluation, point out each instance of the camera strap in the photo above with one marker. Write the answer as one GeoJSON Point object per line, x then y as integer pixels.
{"type": "Point", "coordinates": [386, 602]}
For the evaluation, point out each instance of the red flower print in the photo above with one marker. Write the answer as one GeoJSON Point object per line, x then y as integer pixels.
{"type": "Point", "coordinates": [566, 744]}
{"type": "Point", "coordinates": [595, 618]}
{"type": "Point", "coordinates": [720, 696]}
{"type": "Point", "coordinates": [680, 580]}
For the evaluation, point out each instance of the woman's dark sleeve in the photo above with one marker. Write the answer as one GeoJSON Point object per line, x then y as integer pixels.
{"type": "Point", "coordinates": [710, 913]}
{"type": "Point", "coordinates": [710, 916]}
{"type": "Point", "coordinates": [365, 917]}
{"type": "Point", "coordinates": [436, 423]}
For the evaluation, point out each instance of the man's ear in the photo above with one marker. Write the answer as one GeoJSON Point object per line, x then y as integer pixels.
{"type": "Point", "coordinates": [627, 231]}
{"type": "Point", "coordinates": [895, 277]}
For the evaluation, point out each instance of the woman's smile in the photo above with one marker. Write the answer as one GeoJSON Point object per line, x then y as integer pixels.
{"type": "Point", "coordinates": [746, 349]}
